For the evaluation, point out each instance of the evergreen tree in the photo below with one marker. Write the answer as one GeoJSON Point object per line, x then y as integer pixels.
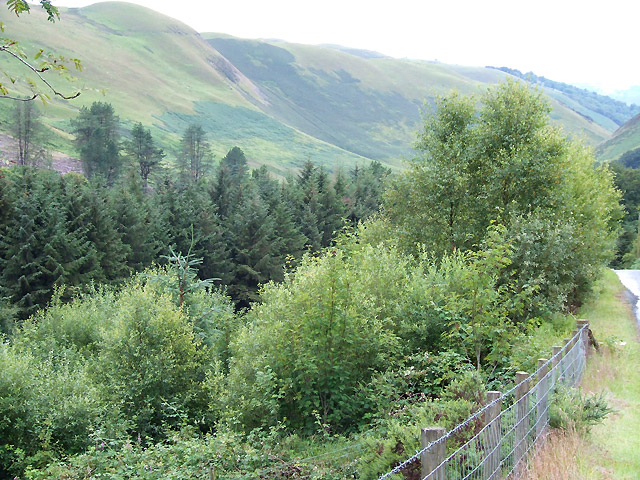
{"type": "Point", "coordinates": [254, 246]}
{"type": "Point", "coordinates": [96, 131]}
{"type": "Point", "coordinates": [136, 222]}
{"type": "Point", "coordinates": [193, 228]}
{"type": "Point", "coordinates": [195, 154]}
{"type": "Point", "coordinates": [40, 249]}
{"type": "Point", "coordinates": [90, 214]}
{"type": "Point", "coordinates": [142, 151]}
{"type": "Point", "coordinates": [27, 130]}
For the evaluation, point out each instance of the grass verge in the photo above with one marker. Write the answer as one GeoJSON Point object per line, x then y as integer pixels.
{"type": "Point", "coordinates": [612, 449]}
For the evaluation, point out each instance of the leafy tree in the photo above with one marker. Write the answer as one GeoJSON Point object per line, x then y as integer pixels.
{"type": "Point", "coordinates": [503, 162]}
{"type": "Point", "coordinates": [97, 141]}
{"type": "Point", "coordinates": [627, 180]}
{"type": "Point", "coordinates": [40, 86]}
{"type": "Point", "coordinates": [150, 363]}
{"type": "Point", "coordinates": [141, 149]}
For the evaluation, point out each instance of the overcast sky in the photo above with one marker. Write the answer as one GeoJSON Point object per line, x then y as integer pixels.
{"type": "Point", "coordinates": [580, 42]}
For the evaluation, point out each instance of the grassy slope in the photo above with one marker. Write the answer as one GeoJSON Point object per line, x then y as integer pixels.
{"type": "Point", "coordinates": [612, 449]}
{"type": "Point", "coordinates": [155, 69]}
{"type": "Point", "coordinates": [282, 103]}
{"type": "Point", "coordinates": [626, 138]}
{"type": "Point", "coordinates": [615, 451]}
{"type": "Point", "coordinates": [369, 105]}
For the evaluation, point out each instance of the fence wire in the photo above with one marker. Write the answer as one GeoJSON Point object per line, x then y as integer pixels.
{"type": "Point", "coordinates": [508, 427]}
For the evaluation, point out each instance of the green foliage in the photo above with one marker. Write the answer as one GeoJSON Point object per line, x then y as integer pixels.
{"type": "Point", "coordinates": [97, 141]}
{"type": "Point", "coordinates": [319, 335]}
{"type": "Point", "coordinates": [150, 363]}
{"type": "Point", "coordinates": [572, 410]}
{"type": "Point", "coordinates": [141, 149]}
{"type": "Point", "coordinates": [503, 162]}
{"type": "Point", "coordinates": [627, 180]}
{"type": "Point", "coordinates": [48, 404]}
{"type": "Point", "coordinates": [21, 6]}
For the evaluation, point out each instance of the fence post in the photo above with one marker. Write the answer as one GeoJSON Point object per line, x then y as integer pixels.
{"type": "Point", "coordinates": [522, 418]}
{"type": "Point", "coordinates": [493, 437]}
{"type": "Point", "coordinates": [433, 457]}
{"type": "Point", "coordinates": [585, 335]}
{"type": "Point", "coordinates": [574, 357]}
{"type": "Point", "coordinates": [542, 397]}
{"type": "Point", "coordinates": [554, 365]}
{"type": "Point", "coordinates": [566, 361]}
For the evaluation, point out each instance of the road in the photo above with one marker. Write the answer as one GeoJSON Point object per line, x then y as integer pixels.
{"type": "Point", "coordinates": [631, 280]}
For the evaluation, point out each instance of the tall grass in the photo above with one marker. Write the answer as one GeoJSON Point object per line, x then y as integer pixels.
{"type": "Point", "coordinates": [612, 449]}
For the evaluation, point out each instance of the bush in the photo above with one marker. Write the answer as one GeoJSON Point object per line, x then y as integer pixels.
{"type": "Point", "coordinates": [48, 407]}
{"type": "Point", "coordinates": [150, 365]}
{"type": "Point", "coordinates": [572, 410]}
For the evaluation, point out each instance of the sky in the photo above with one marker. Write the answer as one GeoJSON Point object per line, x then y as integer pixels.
{"type": "Point", "coordinates": [581, 42]}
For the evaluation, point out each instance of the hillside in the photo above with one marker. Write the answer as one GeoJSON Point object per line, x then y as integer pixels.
{"type": "Point", "coordinates": [282, 103]}
{"type": "Point", "coordinates": [624, 139]}
{"type": "Point", "coordinates": [604, 110]}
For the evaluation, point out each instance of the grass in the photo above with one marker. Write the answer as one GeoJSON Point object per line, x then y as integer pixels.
{"type": "Point", "coordinates": [625, 139]}
{"type": "Point", "coordinates": [612, 449]}
{"type": "Point", "coordinates": [316, 102]}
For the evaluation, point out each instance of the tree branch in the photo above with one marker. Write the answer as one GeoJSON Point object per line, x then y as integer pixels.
{"type": "Point", "coordinates": [5, 48]}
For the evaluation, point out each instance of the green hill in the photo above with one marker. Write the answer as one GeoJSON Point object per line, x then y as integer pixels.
{"type": "Point", "coordinates": [604, 110]}
{"type": "Point", "coordinates": [282, 103]}
{"type": "Point", "coordinates": [623, 140]}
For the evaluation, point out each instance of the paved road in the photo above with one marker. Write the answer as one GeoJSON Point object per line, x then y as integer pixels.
{"type": "Point", "coordinates": [631, 280]}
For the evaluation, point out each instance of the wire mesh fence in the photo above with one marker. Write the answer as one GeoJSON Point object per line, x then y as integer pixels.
{"type": "Point", "coordinates": [508, 427]}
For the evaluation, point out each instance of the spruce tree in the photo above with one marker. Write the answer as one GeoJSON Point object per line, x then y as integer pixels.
{"type": "Point", "coordinates": [142, 151]}
{"type": "Point", "coordinates": [97, 141]}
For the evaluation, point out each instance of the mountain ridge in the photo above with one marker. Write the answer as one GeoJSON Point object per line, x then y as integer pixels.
{"type": "Point", "coordinates": [283, 103]}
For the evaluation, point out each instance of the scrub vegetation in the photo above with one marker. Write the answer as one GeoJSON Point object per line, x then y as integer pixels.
{"type": "Point", "coordinates": [220, 322]}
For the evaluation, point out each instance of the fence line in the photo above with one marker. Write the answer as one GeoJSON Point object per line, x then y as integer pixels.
{"type": "Point", "coordinates": [506, 436]}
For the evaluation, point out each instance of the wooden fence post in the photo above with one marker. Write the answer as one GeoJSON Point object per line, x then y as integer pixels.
{"type": "Point", "coordinates": [493, 435]}
{"type": "Point", "coordinates": [585, 335]}
{"type": "Point", "coordinates": [566, 373]}
{"type": "Point", "coordinates": [542, 397]}
{"type": "Point", "coordinates": [434, 456]}
{"type": "Point", "coordinates": [574, 357]}
{"type": "Point", "coordinates": [522, 418]}
{"type": "Point", "coordinates": [554, 365]}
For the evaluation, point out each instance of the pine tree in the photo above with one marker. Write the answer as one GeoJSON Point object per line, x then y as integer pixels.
{"type": "Point", "coordinates": [195, 154]}
{"type": "Point", "coordinates": [142, 151]}
{"type": "Point", "coordinates": [97, 141]}
{"type": "Point", "coordinates": [136, 222]}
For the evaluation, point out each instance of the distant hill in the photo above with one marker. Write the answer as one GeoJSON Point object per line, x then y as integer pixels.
{"type": "Point", "coordinates": [630, 95]}
{"type": "Point", "coordinates": [623, 140]}
{"type": "Point", "coordinates": [602, 109]}
{"type": "Point", "coordinates": [282, 103]}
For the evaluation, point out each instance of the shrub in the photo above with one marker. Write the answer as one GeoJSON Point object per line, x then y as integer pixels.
{"type": "Point", "coordinates": [572, 410]}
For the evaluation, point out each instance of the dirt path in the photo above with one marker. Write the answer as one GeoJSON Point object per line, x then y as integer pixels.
{"type": "Point", "coordinates": [59, 161]}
